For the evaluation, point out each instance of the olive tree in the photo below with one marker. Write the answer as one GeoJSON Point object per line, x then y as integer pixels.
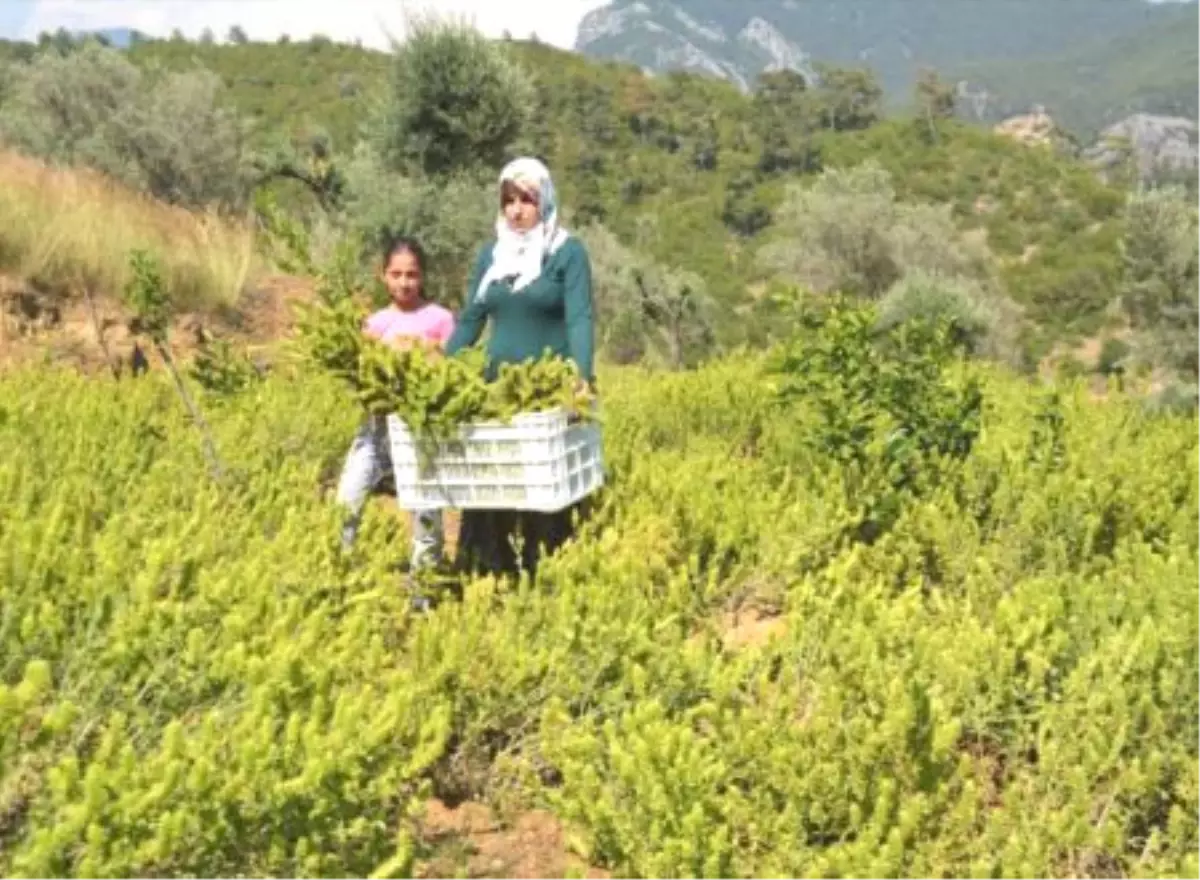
{"type": "Point", "coordinates": [847, 232]}
{"type": "Point", "coordinates": [646, 312]}
{"type": "Point", "coordinates": [1159, 250]}
{"type": "Point", "coordinates": [168, 134]}
{"type": "Point", "coordinates": [456, 102]}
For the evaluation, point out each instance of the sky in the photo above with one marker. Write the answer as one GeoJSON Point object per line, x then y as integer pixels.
{"type": "Point", "coordinates": [554, 21]}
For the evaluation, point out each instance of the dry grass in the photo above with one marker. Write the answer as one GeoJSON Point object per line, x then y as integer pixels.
{"type": "Point", "coordinates": [67, 229]}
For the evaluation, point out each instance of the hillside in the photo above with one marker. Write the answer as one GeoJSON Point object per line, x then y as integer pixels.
{"type": "Point", "coordinates": [688, 153]}
{"type": "Point", "coordinates": [283, 89]}
{"type": "Point", "coordinates": [1094, 83]}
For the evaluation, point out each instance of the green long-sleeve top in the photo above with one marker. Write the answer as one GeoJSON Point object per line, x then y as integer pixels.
{"type": "Point", "coordinates": [554, 311]}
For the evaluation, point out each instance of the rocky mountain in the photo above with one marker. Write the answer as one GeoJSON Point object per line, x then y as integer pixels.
{"type": "Point", "coordinates": [660, 36]}
{"type": "Point", "coordinates": [1159, 145]}
{"type": "Point", "coordinates": [895, 38]}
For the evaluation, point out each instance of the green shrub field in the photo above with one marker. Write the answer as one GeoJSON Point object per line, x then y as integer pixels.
{"type": "Point", "coordinates": [848, 606]}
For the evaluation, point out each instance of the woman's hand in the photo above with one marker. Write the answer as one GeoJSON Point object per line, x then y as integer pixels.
{"type": "Point", "coordinates": [584, 390]}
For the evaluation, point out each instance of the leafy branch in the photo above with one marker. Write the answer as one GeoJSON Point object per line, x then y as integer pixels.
{"type": "Point", "coordinates": [146, 296]}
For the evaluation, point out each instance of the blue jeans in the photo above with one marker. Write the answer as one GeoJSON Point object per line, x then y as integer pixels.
{"type": "Point", "coordinates": [366, 463]}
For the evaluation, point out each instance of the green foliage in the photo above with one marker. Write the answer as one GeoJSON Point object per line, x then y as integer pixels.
{"type": "Point", "coordinates": [221, 370]}
{"type": "Point", "coordinates": [289, 89]}
{"type": "Point", "coordinates": [982, 320]}
{"type": "Point", "coordinates": [311, 164]}
{"type": "Point", "coordinates": [846, 232]}
{"type": "Point", "coordinates": [848, 99]}
{"type": "Point", "coordinates": [195, 682]}
{"type": "Point", "coordinates": [1160, 252]}
{"type": "Point", "coordinates": [885, 404]}
{"type": "Point", "coordinates": [432, 394]}
{"type": "Point", "coordinates": [455, 103]}
{"type": "Point", "coordinates": [147, 296]}
{"type": "Point", "coordinates": [1053, 227]}
{"type": "Point", "coordinates": [451, 217]}
{"type": "Point", "coordinates": [339, 276]}
{"type": "Point", "coordinates": [165, 134]}
{"type": "Point", "coordinates": [646, 313]}
{"type": "Point", "coordinates": [1113, 355]}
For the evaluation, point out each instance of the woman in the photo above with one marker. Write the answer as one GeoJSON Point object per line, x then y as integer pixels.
{"type": "Point", "coordinates": [533, 282]}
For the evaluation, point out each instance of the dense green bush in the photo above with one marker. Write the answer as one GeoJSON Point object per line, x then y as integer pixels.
{"type": "Point", "coordinates": [1160, 253]}
{"type": "Point", "coordinates": [646, 313]}
{"type": "Point", "coordinates": [985, 321]}
{"type": "Point", "coordinates": [168, 134]}
{"type": "Point", "coordinates": [848, 233]}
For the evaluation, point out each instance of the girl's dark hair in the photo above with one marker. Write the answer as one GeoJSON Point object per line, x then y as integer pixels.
{"type": "Point", "coordinates": [396, 244]}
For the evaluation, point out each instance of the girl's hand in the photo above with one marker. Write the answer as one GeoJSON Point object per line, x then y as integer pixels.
{"type": "Point", "coordinates": [402, 343]}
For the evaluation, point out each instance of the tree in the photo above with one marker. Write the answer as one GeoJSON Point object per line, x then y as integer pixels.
{"type": "Point", "coordinates": [63, 42]}
{"type": "Point", "coordinates": [168, 134]}
{"type": "Point", "coordinates": [848, 233]}
{"type": "Point", "coordinates": [456, 103]}
{"type": "Point", "coordinates": [985, 323]}
{"type": "Point", "coordinates": [935, 96]}
{"type": "Point", "coordinates": [1159, 252]}
{"type": "Point", "coordinates": [782, 91]}
{"type": "Point", "coordinates": [237, 35]}
{"type": "Point", "coordinates": [745, 211]}
{"type": "Point", "coordinates": [847, 99]}
{"type": "Point", "coordinates": [936, 100]}
{"type": "Point", "coordinates": [785, 118]}
{"type": "Point", "coordinates": [450, 214]}
{"type": "Point", "coordinates": [647, 312]}
{"type": "Point", "coordinates": [309, 162]}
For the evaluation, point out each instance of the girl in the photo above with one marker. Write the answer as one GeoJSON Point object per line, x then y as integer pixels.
{"type": "Point", "coordinates": [409, 320]}
{"type": "Point", "coordinates": [532, 282]}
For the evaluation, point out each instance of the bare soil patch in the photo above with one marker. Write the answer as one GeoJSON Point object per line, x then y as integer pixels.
{"type": "Point", "coordinates": [469, 840]}
{"type": "Point", "coordinates": [92, 334]}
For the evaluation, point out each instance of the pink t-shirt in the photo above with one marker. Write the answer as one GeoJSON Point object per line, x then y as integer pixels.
{"type": "Point", "coordinates": [430, 322]}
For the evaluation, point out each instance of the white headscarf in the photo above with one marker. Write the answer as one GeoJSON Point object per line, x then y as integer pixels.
{"type": "Point", "coordinates": [521, 254]}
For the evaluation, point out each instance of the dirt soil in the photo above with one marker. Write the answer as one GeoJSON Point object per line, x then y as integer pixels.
{"type": "Point", "coordinates": [750, 628]}
{"type": "Point", "coordinates": [92, 333]}
{"type": "Point", "coordinates": [469, 841]}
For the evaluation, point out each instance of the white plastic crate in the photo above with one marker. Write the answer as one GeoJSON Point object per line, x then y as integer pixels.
{"type": "Point", "coordinates": [541, 461]}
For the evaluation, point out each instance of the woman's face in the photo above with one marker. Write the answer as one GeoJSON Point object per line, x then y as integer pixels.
{"type": "Point", "coordinates": [520, 206]}
{"type": "Point", "coordinates": [402, 276]}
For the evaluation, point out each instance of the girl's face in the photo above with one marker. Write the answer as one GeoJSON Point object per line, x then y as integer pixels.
{"type": "Point", "coordinates": [402, 277]}
{"type": "Point", "coordinates": [520, 207]}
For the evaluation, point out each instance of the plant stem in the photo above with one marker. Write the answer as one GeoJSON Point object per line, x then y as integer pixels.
{"type": "Point", "coordinates": [210, 449]}
{"type": "Point", "coordinates": [91, 301]}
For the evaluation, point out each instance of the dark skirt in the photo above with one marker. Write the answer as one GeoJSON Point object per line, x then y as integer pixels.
{"type": "Point", "coordinates": [486, 539]}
